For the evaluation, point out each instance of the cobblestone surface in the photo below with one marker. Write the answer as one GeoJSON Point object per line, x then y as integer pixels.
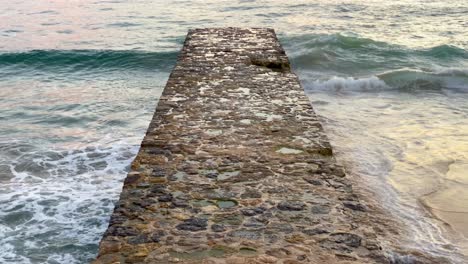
{"type": "Point", "coordinates": [235, 168]}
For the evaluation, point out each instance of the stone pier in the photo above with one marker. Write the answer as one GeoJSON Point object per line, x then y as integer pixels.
{"type": "Point", "coordinates": [235, 167]}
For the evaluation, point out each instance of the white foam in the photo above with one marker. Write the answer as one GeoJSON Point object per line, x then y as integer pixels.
{"type": "Point", "coordinates": [350, 84]}
{"type": "Point", "coordinates": [69, 206]}
{"type": "Point", "coordinates": [452, 71]}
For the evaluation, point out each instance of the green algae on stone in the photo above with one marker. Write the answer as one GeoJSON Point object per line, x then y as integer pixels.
{"type": "Point", "coordinates": [226, 203]}
{"type": "Point", "coordinates": [198, 254]}
{"type": "Point", "coordinates": [233, 219]}
{"type": "Point", "coordinates": [201, 203]}
{"type": "Point", "coordinates": [247, 251]}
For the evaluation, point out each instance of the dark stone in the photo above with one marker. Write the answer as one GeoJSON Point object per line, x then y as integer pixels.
{"type": "Point", "coordinates": [314, 231]}
{"type": "Point", "coordinates": [172, 178]}
{"type": "Point", "coordinates": [260, 210]}
{"type": "Point", "coordinates": [158, 173]}
{"type": "Point", "coordinates": [312, 181]}
{"type": "Point", "coordinates": [274, 64]}
{"type": "Point", "coordinates": [372, 245]}
{"type": "Point", "coordinates": [212, 175]}
{"type": "Point", "coordinates": [264, 218]}
{"type": "Point", "coordinates": [291, 206]}
{"type": "Point", "coordinates": [354, 206]}
{"type": "Point", "coordinates": [135, 209]}
{"type": "Point", "coordinates": [144, 203]}
{"type": "Point", "coordinates": [248, 212]}
{"type": "Point", "coordinates": [351, 240]}
{"type": "Point", "coordinates": [165, 198]}
{"type": "Point", "coordinates": [254, 223]}
{"type": "Point", "coordinates": [338, 171]}
{"type": "Point", "coordinates": [141, 239]}
{"type": "Point", "coordinates": [180, 203]}
{"type": "Point", "coordinates": [159, 151]}
{"type": "Point", "coordinates": [193, 224]}
{"type": "Point", "coordinates": [158, 189]}
{"type": "Point", "coordinates": [157, 235]}
{"type": "Point", "coordinates": [121, 231]}
{"type": "Point", "coordinates": [154, 237]}
{"type": "Point", "coordinates": [218, 228]}
{"type": "Point", "coordinates": [131, 179]}
{"type": "Point", "coordinates": [252, 211]}
{"type": "Point", "coordinates": [117, 219]}
{"type": "Point", "coordinates": [143, 185]}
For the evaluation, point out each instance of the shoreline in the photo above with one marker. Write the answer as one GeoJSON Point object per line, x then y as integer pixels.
{"type": "Point", "coordinates": [396, 232]}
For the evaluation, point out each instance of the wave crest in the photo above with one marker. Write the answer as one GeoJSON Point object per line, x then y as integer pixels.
{"type": "Point", "coordinates": [349, 84]}
{"type": "Point", "coordinates": [406, 80]}
{"type": "Point", "coordinates": [353, 55]}
{"type": "Point", "coordinates": [76, 60]}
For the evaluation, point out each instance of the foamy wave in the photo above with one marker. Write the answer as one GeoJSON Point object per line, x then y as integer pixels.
{"type": "Point", "coordinates": [407, 80]}
{"type": "Point", "coordinates": [349, 84]}
{"type": "Point", "coordinates": [452, 71]}
{"type": "Point", "coordinates": [59, 201]}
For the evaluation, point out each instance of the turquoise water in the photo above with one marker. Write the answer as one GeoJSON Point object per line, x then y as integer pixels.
{"type": "Point", "coordinates": [79, 82]}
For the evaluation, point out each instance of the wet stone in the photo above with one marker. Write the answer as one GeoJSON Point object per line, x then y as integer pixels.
{"type": "Point", "coordinates": [254, 223]}
{"type": "Point", "coordinates": [143, 185]}
{"type": "Point", "coordinates": [354, 206]}
{"type": "Point", "coordinates": [117, 219]}
{"type": "Point", "coordinates": [320, 209]}
{"type": "Point", "coordinates": [218, 228]}
{"type": "Point", "coordinates": [158, 189]}
{"type": "Point", "coordinates": [315, 231]}
{"type": "Point", "coordinates": [180, 203]}
{"type": "Point", "coordinates": [154, 237]}
{"type": "Point", "coordinates": [279, 227]}
{"type": "Point", "coordinates": [264, 218]}
{"type": "Point", "coordinates": [165, 198]}
{"type": "Point", "coordinates": [158, 151]}
{"type": "Point", "coordinates": [158, 173]}
{"type": "Point", "coordinates": [144, 203]}
{"type": "Point", "coordinates": [228, 219]}
{"type": "Point", "coordinates": [246, 234]}
{"type": "Point", "coordinates": [348, 239]}
{"type": "Point", "coordinates": [131, 179]}
{"type": "Point", "coordinates": [212, 175]}
{"type": "Point", "coordinates": [122, 231]}
{"type": "Point", "coordinates": [313, 181]}
{"type": "Point", "coordinates": [291, 206]}
{"type": "Point", "coordinates": [193, 224]}
{"type": "Point", "coordinates": [252, 211]}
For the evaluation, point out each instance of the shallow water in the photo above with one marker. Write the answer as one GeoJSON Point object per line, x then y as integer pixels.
{"type": "Point", "coordinates": [79, 82]}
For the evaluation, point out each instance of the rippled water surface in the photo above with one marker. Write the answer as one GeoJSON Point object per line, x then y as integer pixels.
{"type": "Point", "coordinates": [79, 81]}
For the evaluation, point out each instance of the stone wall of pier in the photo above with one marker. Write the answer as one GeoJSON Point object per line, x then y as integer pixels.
{"type": "Point", "coordinates": [235, 167]}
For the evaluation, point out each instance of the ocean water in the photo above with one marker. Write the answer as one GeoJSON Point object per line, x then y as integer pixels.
{"type": "Point", "coordinates": [79, 81]}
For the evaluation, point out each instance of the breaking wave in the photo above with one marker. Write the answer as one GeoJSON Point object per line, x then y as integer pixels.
{"type": "Point", "coordinates": [56, 203]}
{"type": "Point", "coordinates": [404, 80]}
